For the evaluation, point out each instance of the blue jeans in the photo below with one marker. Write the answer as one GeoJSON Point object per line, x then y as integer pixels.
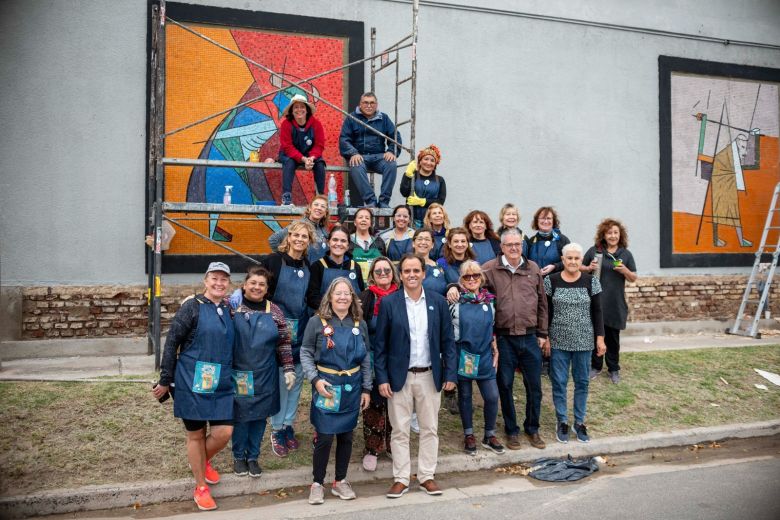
{"type": "Point", "coordinates": [359, 174]}
{"type": "Point", "coordinates": [523, 352]}
{"type": "Point", "coordinates": [288, 173]}
{"type": "Point", "coordinates": [489, 391]}
{"type": "Point", "coordinates": [560, 360]}
{"type": "Point", "coordinates": [288, 400]}
{"type": "Point", "coordinates": [246, 439]}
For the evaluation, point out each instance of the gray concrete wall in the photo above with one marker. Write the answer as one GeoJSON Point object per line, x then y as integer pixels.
{"type": "Point", "coordinates": [528, 111]}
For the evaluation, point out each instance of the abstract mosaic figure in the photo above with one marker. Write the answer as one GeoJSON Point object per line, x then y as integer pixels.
{"type": "Point", "coordinates": [725, 176]}
{"type": "Point", "coordinates": [243, 130]}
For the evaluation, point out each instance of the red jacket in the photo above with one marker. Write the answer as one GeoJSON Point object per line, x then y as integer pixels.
{"type": "Point", "coordinates": [286, 142]}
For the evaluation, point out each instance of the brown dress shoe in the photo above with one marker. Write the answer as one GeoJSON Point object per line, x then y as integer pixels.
{"type": "Point", "coordinates": [535, 440]}
{"type": "Point", "coordinates": [430, 487]}
{"type": "Point", "coordinates": [397, 490]}
{"type": "Point", "coordinates": [513, 442]}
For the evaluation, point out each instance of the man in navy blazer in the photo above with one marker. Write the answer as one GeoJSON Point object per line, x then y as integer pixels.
{"type": "Point", "coordinates": [414, 358]}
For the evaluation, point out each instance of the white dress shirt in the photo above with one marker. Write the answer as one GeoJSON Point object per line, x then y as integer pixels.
{"type": "Point", "coordinates": [419, 353]}
{"type": "Point", "coordinates": [509, 266]}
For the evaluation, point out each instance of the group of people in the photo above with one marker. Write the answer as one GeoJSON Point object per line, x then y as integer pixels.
{"type": "Point", "coordinates": [383, 325]}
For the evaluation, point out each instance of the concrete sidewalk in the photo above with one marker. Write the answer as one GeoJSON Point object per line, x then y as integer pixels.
{"type": "Point", "coordinates": [59, 360]}
{"type": "Point", "coordinates": [90, 498]}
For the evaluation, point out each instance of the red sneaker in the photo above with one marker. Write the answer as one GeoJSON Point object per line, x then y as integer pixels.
{"type": "Point", "coordinates": [203, 500]}
{"type": "Point", "coordinates": [211, 475]}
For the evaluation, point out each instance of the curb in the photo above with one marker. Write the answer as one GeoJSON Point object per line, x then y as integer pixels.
{"type": "Point", "coordinates": [90, 498]}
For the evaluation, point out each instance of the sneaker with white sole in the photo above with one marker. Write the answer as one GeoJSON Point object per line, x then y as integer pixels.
{"type": "Point", "coordinates": [582, 433]}
{"type": "Point", "coordinates": [316, 494]}
{"type": "Point", "coordinates": [562, 433]}
{"type": "Point", "coordinates": [254, 468]}
{"type": "Point", "coordinates": [240, 467]}
{"type": "Point", "coordinates": [343, 490]}
{"type": "Point", "coordinates": [203, 499]}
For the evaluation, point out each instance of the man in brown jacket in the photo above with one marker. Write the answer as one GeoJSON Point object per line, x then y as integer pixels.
{"type": "Point", "coordinates": [521, 327]}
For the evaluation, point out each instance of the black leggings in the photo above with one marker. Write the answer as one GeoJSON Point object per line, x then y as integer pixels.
{"type": "Point", "coordinates": [322, 453]}
{"type": "Point", "coordinates": [612, 357]}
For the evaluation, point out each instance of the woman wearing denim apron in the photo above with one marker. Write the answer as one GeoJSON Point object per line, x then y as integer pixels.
{"type": "Point", "coordinates": [262, 345]}
{"type": "Point", "coordinates": [336, 263]}
{"type": "Point", "coordinates": [317, 215]}
{"type": "Point", "coordinates": [335, 358]}
{"type": "Point", "coordinates": [473, 317]}
{"type": "Point", "coordinates": [454, 252]}
{"type": "Point", "coordinates": [421, 185]}
{"type": "Point", "coordinates": [484, 241]}
{"type": "Point", "coordinates": [202, 335]}
{"type": "Point", "coordinates": [438, 221]}
{"type": "Point", "coordinates": [287, 289]}
{"type": "Point", "coordinates": [434, 274]}
{"type": "Point", "coordinates": [398, 239]}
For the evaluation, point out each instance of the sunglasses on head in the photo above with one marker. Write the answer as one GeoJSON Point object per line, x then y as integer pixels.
{"type": "Point", "coordinates": [473, 276]}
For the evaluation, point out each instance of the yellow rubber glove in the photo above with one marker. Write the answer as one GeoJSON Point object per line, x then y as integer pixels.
{"type": "Point", "coordinates": [410, 168]}
{"type": "Point", "coordinates": [414, 200]}
{"type": "Point", "coordinates": [289, 380]}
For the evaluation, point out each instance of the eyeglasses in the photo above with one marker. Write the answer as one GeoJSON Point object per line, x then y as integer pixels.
{"type": "Point", "coordinates": [423, 239]}
{"type": "Point", "coordinates": [368, 102]}
{"type": "Point", "coordinates": [471, 277]}
{"type": "Point", "coordinates": [513, 245]}
{"type": "Point", "coordinates": [382, 271]}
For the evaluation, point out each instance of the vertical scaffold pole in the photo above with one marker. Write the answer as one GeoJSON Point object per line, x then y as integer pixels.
{"type": "Point", "coordinates": [415, 15]}
{"type": "Point", "coordinates": [373, 60]}
{"type": "Point", "coordinates": [150, 178]}
{"type": "Point", "coordinates": [159, 172]}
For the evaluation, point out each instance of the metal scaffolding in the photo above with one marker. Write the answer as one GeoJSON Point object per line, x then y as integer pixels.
{"type": "Point", "coordinates": [157, 160]}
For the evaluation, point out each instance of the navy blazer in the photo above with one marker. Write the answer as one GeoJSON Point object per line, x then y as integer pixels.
{"type": "Point", "coordinates": [392, 344]}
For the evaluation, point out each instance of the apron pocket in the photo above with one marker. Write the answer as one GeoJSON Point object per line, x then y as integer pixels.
{"type": "Point", "coordinates": [206, 378]}
{"type": "Point", "coordinates": [243, 383]}
{"type": "Point", "coordinates": [292, 329]}
{"type": "Point", "coordinates": [331, 404]}
{"type": "Point", "coordinates": [468, 365]}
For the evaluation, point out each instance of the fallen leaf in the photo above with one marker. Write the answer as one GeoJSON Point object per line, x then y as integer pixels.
{"type": "Point", "coordinates": [282, 493]}
{"type": "Point", "coordinates": [714, 445]}
{"type": "Point", "coordinates": [695, 447]}
{"type": "Point", "coordinates": [264, 493]}
{"type": "Point", "coordinates": [724, 381]}
{"type": "Point", "coordinates": [137, 505]}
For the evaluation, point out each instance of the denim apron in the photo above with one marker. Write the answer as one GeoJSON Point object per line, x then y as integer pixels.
{"type": "Point", "coordinates": [425, 188]}
{"type": "Point", "coordinates": [331, 273]}
{"type": "Point", "coordinates": [398, 248]}
{"type": "Point", "coordinates": [434, 280]}
{"type": "Point", "coordinates": [452, 272]}
{"type": "Point", "coordinates": [483, 250]}
{"type": "Point", "coordinates": [475, 357]}
{"type": "Point", "coordinates": [290, 296]}
{"type": "Point", "coordinates": [255, 369]}
{"type": "Point", "coordinates": [203, 388]}
{"type": "Point", "coordinates": [348, 352]}
{"type": "Point", "coordinates": [544, 250]}
{"type": "Point", "coordinates": [439, 239]}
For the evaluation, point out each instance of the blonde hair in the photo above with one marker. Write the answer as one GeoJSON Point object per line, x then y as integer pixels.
{"type": "Point", "coordinates": [472, 267]}
{"type": "Point", "coordinates": [355, 308]}
{"type": "Point", "coordinates": [503, 211]}
{"type": "Point", "coordinates": [297, 226]}
{"type": "Point", "coordinates": [427, 219]}
{"type": "Point", "coordinates": [307, 212]}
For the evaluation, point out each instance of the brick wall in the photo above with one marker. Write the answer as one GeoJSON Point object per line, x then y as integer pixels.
{"type": "Point", "coordinates": [67, 311]}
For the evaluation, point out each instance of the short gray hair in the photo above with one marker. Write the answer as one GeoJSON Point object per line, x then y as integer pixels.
{"type": "Point", "coordinates": [511, 231]}
{"type": "Point", "coordinates": [571, 246]}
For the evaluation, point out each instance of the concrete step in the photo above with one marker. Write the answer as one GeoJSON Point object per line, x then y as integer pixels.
{"type": "Point", "coordinates": [52, 348]}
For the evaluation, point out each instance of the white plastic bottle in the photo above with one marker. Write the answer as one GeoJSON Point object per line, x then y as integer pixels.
{"type": "Point", "coordinates": [227, 198]}
{"type": "Point", "coordinates": [333, 196]}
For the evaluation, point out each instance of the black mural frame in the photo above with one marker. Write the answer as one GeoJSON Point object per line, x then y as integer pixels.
{"type": "Point", "coordinates": [666, 66]}
{"type": "Point", "coordinates": [352, 31]}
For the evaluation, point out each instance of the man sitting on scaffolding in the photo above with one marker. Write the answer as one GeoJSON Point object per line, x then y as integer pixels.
{"type": "Point", "coordinates": [367, 150]}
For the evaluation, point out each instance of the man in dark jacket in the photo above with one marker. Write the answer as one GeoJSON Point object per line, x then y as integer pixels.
{"type": "Point", "coordinates": [521, 327]}
{"type": "Point", "coordinates": [414, 358]}
{"type": "Point", "coordinates": [366, 150]}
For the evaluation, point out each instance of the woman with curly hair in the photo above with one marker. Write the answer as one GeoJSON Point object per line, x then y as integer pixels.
{"type": "Point", "coordinates": [611, 261]}
{"type": "Point", "coordinates": [421, 185]}
{"type": "Point", "coordinates": [437, 220]}
{"type": "Point", "coordinates": [484, 241]}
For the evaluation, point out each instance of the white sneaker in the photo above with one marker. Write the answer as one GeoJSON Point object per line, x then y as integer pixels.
{"type": "Point", "coordinates": [415, 426]}
{"type": "Point", "coordinates": [343, 490]}
{"type": "Point", "coordinates": [316, 494]}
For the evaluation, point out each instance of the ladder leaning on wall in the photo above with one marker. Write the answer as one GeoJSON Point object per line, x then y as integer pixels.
{"type": "Point", "coordinates": [755, 293]}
